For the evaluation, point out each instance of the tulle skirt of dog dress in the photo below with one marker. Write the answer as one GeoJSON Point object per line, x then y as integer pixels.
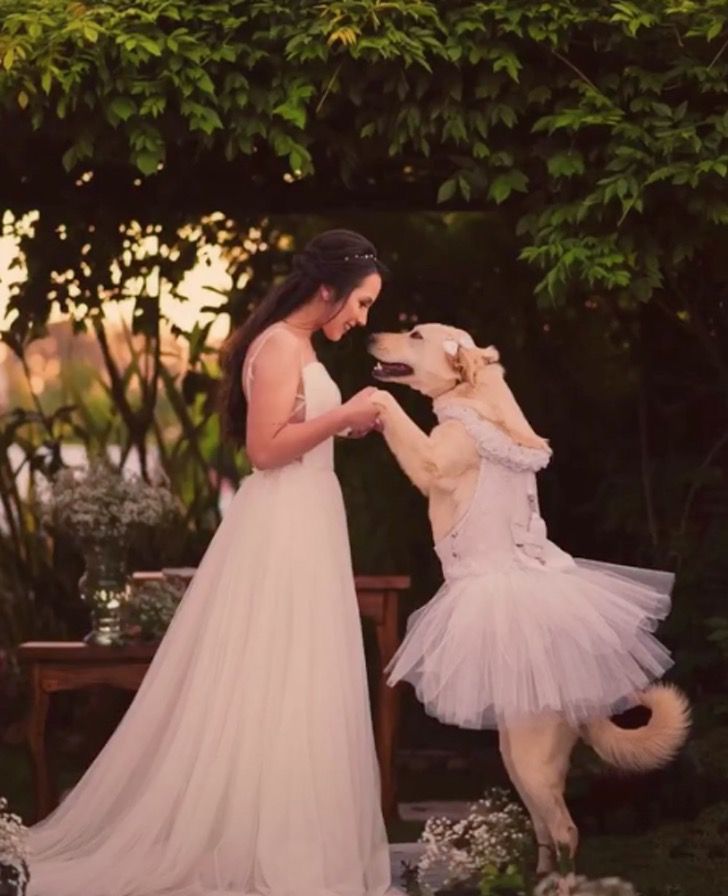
{"type": "Point", "coordinates": [520, 629]}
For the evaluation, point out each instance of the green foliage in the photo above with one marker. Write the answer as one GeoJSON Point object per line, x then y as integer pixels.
{"type": "Point", "coordinates": [603, 124]}
{"type": "Point", "coordinates": [28, 585]}
{"type": "Point", "coordinates": [631, 396]}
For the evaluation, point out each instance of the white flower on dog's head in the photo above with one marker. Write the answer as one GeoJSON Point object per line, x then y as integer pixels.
{"type": "Point", "coordinates": [451, 345]}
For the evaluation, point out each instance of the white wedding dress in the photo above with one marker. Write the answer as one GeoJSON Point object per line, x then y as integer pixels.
{"type": "Point", "coordinates": [246, 761]}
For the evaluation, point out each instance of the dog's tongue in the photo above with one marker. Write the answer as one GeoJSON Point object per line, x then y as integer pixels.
{"type": "Point", "coordinates": [385, 370]}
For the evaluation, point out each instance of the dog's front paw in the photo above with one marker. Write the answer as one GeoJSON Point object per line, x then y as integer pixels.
{"type": "Point", "coordinates": [385, 403]}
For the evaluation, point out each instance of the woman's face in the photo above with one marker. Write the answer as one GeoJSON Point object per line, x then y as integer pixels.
{"type": "Point", "coordinates": [355, 310]}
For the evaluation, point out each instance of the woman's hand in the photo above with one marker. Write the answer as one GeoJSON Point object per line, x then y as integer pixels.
{"type": "Point", "coordinates": [360, 412]}
{"type": "Point", "coordinates": [360, 433]}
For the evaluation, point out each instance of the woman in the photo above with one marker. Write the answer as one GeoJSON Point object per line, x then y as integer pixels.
{"type": "Point", "coordinates": [246, 762]}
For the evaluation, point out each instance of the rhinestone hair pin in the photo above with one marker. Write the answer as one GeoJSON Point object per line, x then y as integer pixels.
{"type": "Point", "coordinates": [360, 255]}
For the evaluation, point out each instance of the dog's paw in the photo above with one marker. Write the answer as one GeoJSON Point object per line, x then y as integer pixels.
{"type": "Point", "coordinates": [383, 401]}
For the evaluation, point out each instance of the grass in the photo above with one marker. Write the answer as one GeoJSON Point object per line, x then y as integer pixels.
{"type": "Point", "coordinates": [690, 857]}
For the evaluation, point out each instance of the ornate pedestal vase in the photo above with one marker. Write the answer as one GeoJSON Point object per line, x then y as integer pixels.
{"type": "Point", "coordinates": [104, 587]}
{"type": "Point", "coordinates": [13, 877]}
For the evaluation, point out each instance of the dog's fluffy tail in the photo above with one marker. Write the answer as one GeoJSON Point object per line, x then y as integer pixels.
{"type": "Point", "coordinates": [654, 744]}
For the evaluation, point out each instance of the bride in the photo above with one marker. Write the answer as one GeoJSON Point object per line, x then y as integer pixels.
{"type": "Point", "coordinates": [246, 762]}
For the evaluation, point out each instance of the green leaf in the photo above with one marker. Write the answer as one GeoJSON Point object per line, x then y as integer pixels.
{"type": "Point", "coordinates": [447, 190]}
{"type": "Point", "coordinates": [565, 164]}
{"type": "Point", "coordinates": [465, 188]}
{"type": "Point", "coordinates": [68, 160]}
{"type": "Point", "coordinates": [23, 99]}
{"type": "Point", "coordinates": [715, 29]}
{"type": "Point", "coordinates": [153, 106]}
{"type": "Point", "coordinates": [9, 58]}
{"type": "Point", "coordinates": [299, 159]}
{"type": "Point", "coordinates": [122, 107]}
{"type": "Point", "coordinates": [153, 47]}
{"type": "Point", "coordinates": [292, 112]}
{"type": "Point", "coordinates": [509, 63]}
{"type": "Point", "coordinates": [503, 185]}
{"type": "Point", "coordinates": [147, 161]}
{"type": "Point", "coordinates": [205, 83]}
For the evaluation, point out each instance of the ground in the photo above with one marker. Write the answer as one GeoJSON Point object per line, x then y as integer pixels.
{"type": "Point", "coordinates": [669, 858]}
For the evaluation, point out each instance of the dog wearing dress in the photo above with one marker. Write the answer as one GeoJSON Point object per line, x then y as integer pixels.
{"type": "Point", "coordinates": [521, 637]}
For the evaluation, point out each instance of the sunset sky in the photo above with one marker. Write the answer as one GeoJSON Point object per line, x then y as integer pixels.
{"type": "Point", "coordinates": [185, 314]}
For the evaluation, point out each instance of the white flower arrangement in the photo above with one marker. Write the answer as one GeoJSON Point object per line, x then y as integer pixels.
{"type": "Point", "coordinates": [573, 885]}
{"type": "Point", "coordinates": [150, 608]}
{"type": "Point", "coordinates": [485, 853]}
{"type": "Point", "coordinates": [102, 504]}
{"type": "Point", "coordinates": [13, 846]}
{"type": "Point", "coordinates": [488, 844]}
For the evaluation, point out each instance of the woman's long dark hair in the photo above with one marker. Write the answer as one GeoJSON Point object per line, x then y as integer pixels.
{"type": "Point", "coordinates": [339, 259]}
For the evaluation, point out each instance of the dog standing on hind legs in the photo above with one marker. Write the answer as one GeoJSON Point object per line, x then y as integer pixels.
{"type": "Point", "coordinates": [521, 636]}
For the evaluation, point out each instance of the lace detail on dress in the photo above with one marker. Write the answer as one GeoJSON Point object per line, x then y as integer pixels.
{"type": "Point", "coordinates": [492, 443]}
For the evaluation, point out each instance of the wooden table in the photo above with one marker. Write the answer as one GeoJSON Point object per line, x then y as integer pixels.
{"type": "Point", "coordinates": [70, 665]}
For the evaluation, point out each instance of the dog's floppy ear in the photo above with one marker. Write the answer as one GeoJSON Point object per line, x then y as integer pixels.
{"type": "Point", "coordinates": [468, 361]}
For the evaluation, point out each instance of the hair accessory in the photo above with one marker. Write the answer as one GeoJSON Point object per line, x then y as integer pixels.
{"type": "Point", "coordinates": [451, 345]}
{"type": "Point", "coordinates": [360, 255]}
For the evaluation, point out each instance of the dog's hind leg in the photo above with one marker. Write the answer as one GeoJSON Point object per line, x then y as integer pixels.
{"type": "Point", "coordinates": [544, 843]}
{"type": "Point", "coordinates": [540, 754]}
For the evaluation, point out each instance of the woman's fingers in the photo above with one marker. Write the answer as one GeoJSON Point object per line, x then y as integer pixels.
{"type": "Point", "coordinates": [359, 433]}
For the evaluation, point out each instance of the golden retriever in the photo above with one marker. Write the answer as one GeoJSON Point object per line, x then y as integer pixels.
{"type": "Point", "coordinates": [444, 364]}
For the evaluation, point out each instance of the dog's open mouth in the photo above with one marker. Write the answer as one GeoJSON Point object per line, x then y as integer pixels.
{"type": "Point", "coordinates": [384, 370]}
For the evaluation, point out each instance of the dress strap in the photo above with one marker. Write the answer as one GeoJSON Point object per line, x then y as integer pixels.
{"type": "Point", "coordinates": [252, 355]}
{"type": "Point", "coordinates": [300, 401]}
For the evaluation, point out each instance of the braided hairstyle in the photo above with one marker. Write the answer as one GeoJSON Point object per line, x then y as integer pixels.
{"type": "Point", "coordinates": [338, 259]}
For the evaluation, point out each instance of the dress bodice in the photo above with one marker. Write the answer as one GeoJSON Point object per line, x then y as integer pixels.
{"type": "Point", "coordinates": [317, 394]}
{"type": "Point", "coordinates": [503, 525]}
{"type": "Point", "coordinates": [320, 394]}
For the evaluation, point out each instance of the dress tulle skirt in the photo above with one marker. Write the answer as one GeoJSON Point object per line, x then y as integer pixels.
{"type": "Point", "coordinates": [502, 648]}
{"type": "Point", "coordinates": [246, 762]}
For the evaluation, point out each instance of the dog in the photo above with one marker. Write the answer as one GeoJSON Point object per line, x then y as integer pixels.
{"type": "Point", "coordinates": [444, 364]}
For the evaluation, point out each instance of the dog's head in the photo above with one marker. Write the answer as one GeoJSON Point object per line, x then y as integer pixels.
{"type": "Point", "coordinates": [431, 358]}
{"type": "Point", "coordinates": [435, 359]}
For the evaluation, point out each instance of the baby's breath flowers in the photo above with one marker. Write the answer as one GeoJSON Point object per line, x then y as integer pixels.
{"type": "Point", "coordinates": [105, 511]}
{"type": "Point", "coordinates": [490, 841]}
{"type": "Point", "coordinates": [485, 853]}
{"type": "Point", "coordinates": [151, 607]}
{"type": "Point", "coordinates": [101, 504]}
{"type": "Point", "coordinates": [13, 849]}
{"type": "Point", "coordinates": [572, 885]}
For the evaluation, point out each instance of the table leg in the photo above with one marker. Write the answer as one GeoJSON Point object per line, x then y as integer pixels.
{"type": "Point", "coordinates": [387, 710]}
{"type": "Point", "coordinates": [44, 797]}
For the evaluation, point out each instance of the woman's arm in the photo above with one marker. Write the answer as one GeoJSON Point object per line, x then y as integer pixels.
{"type": "Point", "coordinates": [272, 441]}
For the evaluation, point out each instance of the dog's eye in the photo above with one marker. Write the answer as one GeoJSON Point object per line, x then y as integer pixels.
{"type": "Point", "coordinates": [415, 335]}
